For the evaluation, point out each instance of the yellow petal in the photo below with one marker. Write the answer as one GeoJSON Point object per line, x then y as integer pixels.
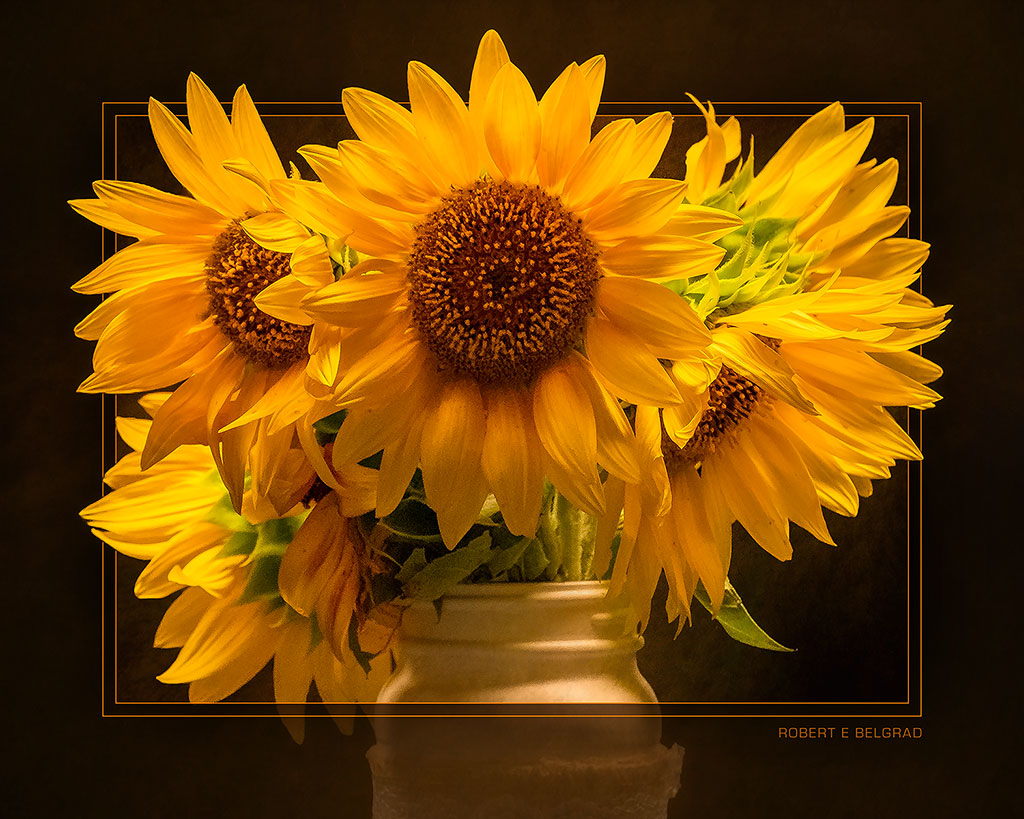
{"type": "Point", "coordinates": [511, 124]}
{"type": "Point", "coordinates": [442, 124]}
{"type": "Point", "coordinates": [221, 636]}
{"type": "Point", "coordinates": [623, 360]}
{"type": "Point", "coordinates": [634, 209]}
{"type": "Point", "coordinates": [848, 241]}
{"type": "Point", "coordinates": [616, 444]}
{"type": "Point", "coordinates": [159, 211]}
{"type": "Point", "coordinates": [819, 129]}
{"type": "Point", "coordinates": [293, 674]}
{"type": "Point", "coordinates": [755, 360]}
{"type": "Point", "coordinates": [185, 418]}
{"type": "Point", "coordinates": [95, 210]}
{"type": "Point", "coordinates": [564, 419]}
{"type": "Point", "coordinates": [490, 57]}
{"type": "Point", "coordinates": [731, 473]}
{"type": "Point", "coordinates": [601, 167]}
{"type": "Point", "coordinates": [769, 448]}
{"type": "Point", "coordinates": [696, 535]}
{"type": "Point", "coordinates": [181, 618]}
{"type": "Point", "coordinates": [838, 367]}
{"type": "Point", "coordinates": [255, 652]}
{"type": "Point", "coordinates": [381, 178]}
{"type": "Point", "coordinates": [275, 231]}
{"type": "Point", "coordinates": [252, 138]}
{"type": "Point", "coordinates": [357, 301]}
{"type": "Point", "coordinates": [818, 173]}
{"type": "Point", "coordinates": [146, 261]}
{"type": "Point", "coordinates": [699, 222]}
{"type": "Point", "coordinates": [565, 127]}
{"type": "Point", "coordinates": [593, 71]}
{"type": "Point", "coordinates": [282, 300]}
{"type": "Point", "coordinates": [650, 139]}
{"type": "Point", "coordinates": [398, 465]}
{"type": "Point", "coordinates": [511, 460]}
{"type": "Point", "coordinates": [450, 454]}
{"type": "Point", "coordinates": [662, 256]}
{"type": "Point", "coordinates": [388, 126]}
{"type": "Point", "coordinates": [215, 142]}
{"type": "Point", "coordinates": [178, 148]}
{"type": "Point", "coordinates": [890, 259]}
{"type": "Point", "coordinates": [665, 321]}
{"type": "Point", "coordinates": [311, 263]}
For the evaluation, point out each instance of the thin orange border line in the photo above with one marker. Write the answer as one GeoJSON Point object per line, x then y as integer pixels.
{"type": "Point", "coordinates": [907, 117]}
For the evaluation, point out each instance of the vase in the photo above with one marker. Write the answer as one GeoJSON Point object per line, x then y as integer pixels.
{"type": "Point", "coordinates": [520, 699]}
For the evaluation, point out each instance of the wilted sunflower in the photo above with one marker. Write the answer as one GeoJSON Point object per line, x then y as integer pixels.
{"type": "Point", "coordinates": [183, 306]}
{"type": "Point", "coordinates": [230, 619]}
{"type": "Point", "coordinates": [812, 323]}
{"type": "Point", "coordinates": [508, 293]}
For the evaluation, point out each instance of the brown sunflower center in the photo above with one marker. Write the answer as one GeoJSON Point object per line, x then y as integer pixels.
{"type": "Point", "coordinates": [502, 279]}
{"type": "Point", "coordinates": [236, 271]}
{"type": "Point", "coordinates": [731, 400]}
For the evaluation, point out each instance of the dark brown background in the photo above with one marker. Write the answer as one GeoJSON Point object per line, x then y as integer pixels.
{"type": "Point", "coordinates": [957, 58]}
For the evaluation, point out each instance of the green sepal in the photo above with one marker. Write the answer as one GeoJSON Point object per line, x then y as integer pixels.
{"type": "Point", "coordinates": [223, 514]}
{"type": "Point", "coordinates": [343, 258]}
{"type": "Point", "coordinates": [316, 636]}
{"type": "Point", "coordinates": [274, 535]}
{"type": "Point", "coordinates": [362, 657]}
{"type": "Point", "coordinates": [262, 581]}
{"type": "Point", "coordinates": [444, 572]}
{"type": "Point", "coordinates": [240, 543]}
{"type": "Point", "coordinates": [736, 620]}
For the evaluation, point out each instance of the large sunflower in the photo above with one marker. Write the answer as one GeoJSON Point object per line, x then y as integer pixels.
{"type": "Point", "coordinates": [183, 309]}
{"type": "Point", "coordinates": [813, 321]}
{"type": "Point", "coordinates": [507, 297]}
{"type": "Point", "coordinates": [229, 620]}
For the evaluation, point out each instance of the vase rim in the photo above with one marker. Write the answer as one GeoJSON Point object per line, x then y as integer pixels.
{"type": "Point", "coordinates": [547, 588]}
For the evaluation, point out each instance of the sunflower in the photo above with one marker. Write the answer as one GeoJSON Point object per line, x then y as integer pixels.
{"type": "Point", "coordinates": [229, 620]}
{"type": "Point", "coordinates": [182, 309]}
{"type": "Point", "coordinates": [506, 296]}
{"type": "Point", "coordinates": [812, 321]}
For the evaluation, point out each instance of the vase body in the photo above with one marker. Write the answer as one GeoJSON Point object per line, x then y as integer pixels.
{"type": "Point", "coordinates": [536, 707]}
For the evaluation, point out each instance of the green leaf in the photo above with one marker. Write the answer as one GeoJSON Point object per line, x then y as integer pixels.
{"type": "Point", "coordinates": [416, 562]}
{"type": "Point", "coordinates": [534, 560]}
{"type": "Point", "coordinates": [326, 428]}
{"type": "Point", "coordinates": [362, 657]}
{"type": "Point", "coordinates": [616, 541]}
{"type": "Point", "coordinates": [441, 574]}
{"type": "Point", "coordinates": [373, 461]}
{"type": "Point", "coordinates": [413, 520]}
{"type": "Point", "coordinates": [736, 620]}
{"type": "Point", "coordinates": [508, 556]}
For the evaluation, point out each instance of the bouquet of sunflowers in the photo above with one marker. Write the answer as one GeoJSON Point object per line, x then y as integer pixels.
{"type": "Point", "coordinates": [485, 345]}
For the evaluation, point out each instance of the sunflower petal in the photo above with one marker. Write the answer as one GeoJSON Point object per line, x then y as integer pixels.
{"type": "Point", "coordinates": [450, 453]}
{"type": "Point", "coordinates": [512, 461]}
{"type": "Point", "coordinates": [511, 124]}
{"type": "Point", "coordinates": [633, 372]}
